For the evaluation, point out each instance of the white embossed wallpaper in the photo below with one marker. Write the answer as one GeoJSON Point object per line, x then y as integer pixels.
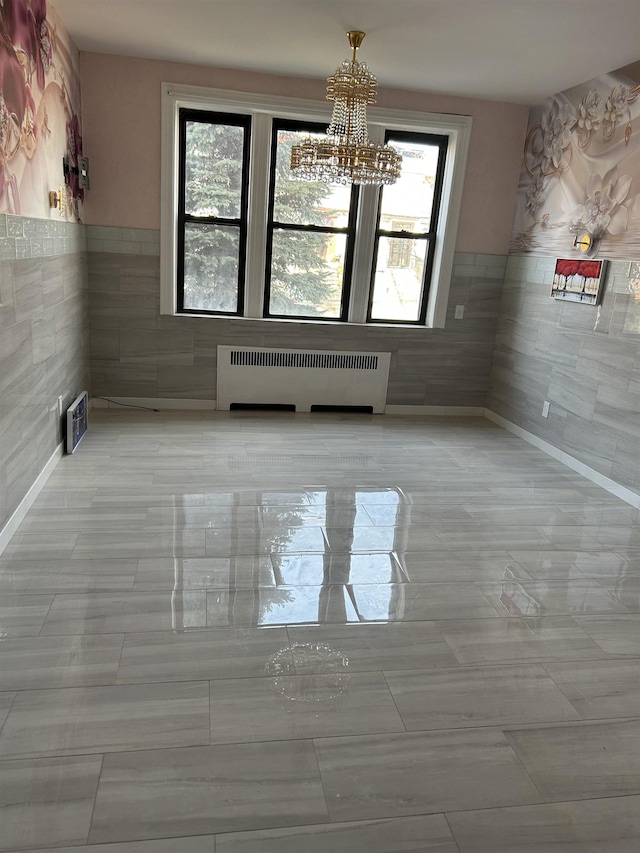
{"type": "Point", "coordinates": [40, 119]}
{"type": "Point", "coordinates": [581, 170]}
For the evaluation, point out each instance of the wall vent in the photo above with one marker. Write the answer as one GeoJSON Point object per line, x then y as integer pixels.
{"type": "Point", "coordinates": [302, 378]}
{"type": "Point", "coordinates": [77, 418]}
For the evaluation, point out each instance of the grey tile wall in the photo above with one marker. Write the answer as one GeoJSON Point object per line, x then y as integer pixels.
{"type": "Point", "coordinates": [136, 352]}
{"type": "Point", "coordinates": [584, 360]}
{"type": "Point", "coordinates": [514, 348]}
{"type": "Point", "coordinates": [44, 344]}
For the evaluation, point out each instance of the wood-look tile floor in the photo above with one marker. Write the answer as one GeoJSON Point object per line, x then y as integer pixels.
{"type": "Point", "coordinates": [261, 633]}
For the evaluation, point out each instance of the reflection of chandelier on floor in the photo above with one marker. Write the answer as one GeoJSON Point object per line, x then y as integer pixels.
{"type": "Point", "coordinates": [346, 155]}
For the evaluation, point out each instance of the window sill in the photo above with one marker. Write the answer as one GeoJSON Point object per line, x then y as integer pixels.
{"type": "Point", "coordinates": [305, 322]}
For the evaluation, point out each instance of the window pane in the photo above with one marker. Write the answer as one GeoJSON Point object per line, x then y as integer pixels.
{"type": "Point", "coordinates": [306, 202]}
{"type": "Point", "coordinates": [306, 273]}
{"type": "Point", "coordinates": [410, 199]}
{"type": "Point", "coordinates": [213, 169]}
{"type": "Point", "coordinates": [397, 285]}
{"type": "Point", "coordinates": [211, 261]}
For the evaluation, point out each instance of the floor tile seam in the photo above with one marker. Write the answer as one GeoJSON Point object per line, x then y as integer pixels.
{"type": "Point", "coordinates": [393, 699]}
{"type": "Point", "coordinates": [542, 659]}
{"type": "Point", "coordinates": [135, 527]}
{"type": "Point", "coordinates": [131, 681]}
{"type": "Point", "coordinates": [306, 625]}
{"type": "Point", "coordinates": [10, 708]}
{"type": "Point", "coordinates": [592, 577]}
{"type": "Point", "coordinates": [271, 586]}
{"type": "Point", "coordinates": [92, 686]}
{"type": "Point", "coordinates": [547, 616]}
{"type": "Point", "coordinates": [199, 630]}
{"type": "Point", "coordinates": [102, 751]}
{"type": "Point", "coordinates": [475, 585]}
{"type": "Point", "coordinates": [117, 669]}
{"type": "Point", "coordinates": [79, 686]}
{"type": "Point", "coordinates": [520, 762]}
{"type": "Point", "coordinates": [209, 707]}
{"type": "Point", "coordinates": [553, 725]}
{"type": "Point", "coordinates": [451, 832]}
{"type": "Point", "coordinates": [95, 799]}
{"type": "Point", "coordinates": [322, 783]}
{"type": "Point", "coordinates": [400, 669]}
{"type": "Point", "coordinates": [511, 664]}
{"type": "Point", "coordinates": [12, 561]}
{"type": "Point", "coordinates": [53, 591]}
{"type": "Point", "coordinates": [211, 746]}
{"type": "Point", "coordinates": [309, 624]}
{"type": "Point", "coordinates": [290, 644]}
{"type": "Point", "coordinates": [330, 824]}
{"type": "Point", "coordinates": [560, 688]}
{"type": "Point", "coordinates": [542, 804]}
{"type": "Point", "coordinates": [316, 740]}
{"type": "Point", "coordinates": [44, 621]}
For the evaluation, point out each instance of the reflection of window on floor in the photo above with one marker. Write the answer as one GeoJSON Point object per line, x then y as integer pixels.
{"type": "Point", "coordinates": [233, 539]}
{"type": "Point", "coordinates": [350, 575]}
{"type": "Point", "coordinates": [354, 578]}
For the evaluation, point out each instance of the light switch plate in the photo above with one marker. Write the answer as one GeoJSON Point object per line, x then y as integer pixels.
{"type": "Point", "coordinates": [459, 312]}
{"type": "Point", "coordinates": [83, 173]}
{"type": "Point", "coordinates": [545, 409]}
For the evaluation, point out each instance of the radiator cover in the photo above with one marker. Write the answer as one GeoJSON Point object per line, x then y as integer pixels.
{"type": "Point", "coordinates": [301, 378]}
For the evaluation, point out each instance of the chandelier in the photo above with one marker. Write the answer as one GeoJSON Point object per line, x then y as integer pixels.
{"type": "Point", "coordinates": [346, 155]}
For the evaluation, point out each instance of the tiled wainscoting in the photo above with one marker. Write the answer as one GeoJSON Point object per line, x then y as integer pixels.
{"type": "Point", "coordinates": [44, 344]}
{"type": "Point", "coordinates": [584, 360]}
{"type": "Point", "coordinates": [135, 352]}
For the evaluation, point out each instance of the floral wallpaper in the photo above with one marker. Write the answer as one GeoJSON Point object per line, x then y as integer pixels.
{"type": "Point", "coordinates": [39, 112]}
{"type": "Point", "coordinates": [581, 171]}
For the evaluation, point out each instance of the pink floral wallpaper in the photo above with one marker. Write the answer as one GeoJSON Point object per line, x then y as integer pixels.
{"type": "Point", "coordinates": [581, 171]}
{"type": "Point", "coordinates": [39, 112]}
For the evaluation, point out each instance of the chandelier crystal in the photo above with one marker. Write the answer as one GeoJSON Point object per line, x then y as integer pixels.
{"type": "Point", "coordinates": [346, 155]}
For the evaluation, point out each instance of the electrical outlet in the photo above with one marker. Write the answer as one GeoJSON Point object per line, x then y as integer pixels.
{"type": "Point", "coordinates": [459, 312]}
{"type": "Point", "coordinates": [60, 404]}
{"type": "Point", "coordinates": [545, 409]}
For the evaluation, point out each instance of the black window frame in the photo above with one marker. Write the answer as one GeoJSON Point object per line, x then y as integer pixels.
{"type": "Point", "coordinates": [273, 225]}
{"type": "Point", "coordinates": [442, 143]}
{"type": "Point", "coordinates": [186, 115]}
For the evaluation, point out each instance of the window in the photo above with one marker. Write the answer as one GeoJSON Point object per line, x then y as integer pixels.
{"type": "Point", "coordinates": [240, 237]}
{"type": "Point", "coordinates": [212, 214]}
{"type": "Point", "coordinates": [310, 236]}
{"type": "Point", "coordinates": [404, 249]}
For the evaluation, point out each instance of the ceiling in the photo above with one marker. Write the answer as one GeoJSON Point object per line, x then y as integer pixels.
{"type": "Point", "coordinates": [510, 50]}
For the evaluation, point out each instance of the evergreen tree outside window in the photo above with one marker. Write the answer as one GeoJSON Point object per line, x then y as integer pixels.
{"type": "Point", "coordinates": [310, 236]}
{"type": "Point", "coordinates": [213, 191]}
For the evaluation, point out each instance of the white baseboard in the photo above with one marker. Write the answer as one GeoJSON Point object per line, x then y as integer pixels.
{"type": "Point", "coordinates": [29, 499]}
{"type": "Point", "coordinates": [424, 411]}
{"type": "Point", "coordinates": [622, 492]}
{"type": "Point", "coordinates": [165, 403]}
{"type": "Point", "coordinates": [160, 403]}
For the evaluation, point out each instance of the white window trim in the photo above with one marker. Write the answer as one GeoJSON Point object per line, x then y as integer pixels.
{"type": "Point", "coordinates": [175, 97]}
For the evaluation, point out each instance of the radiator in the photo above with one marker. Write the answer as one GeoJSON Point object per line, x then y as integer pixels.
{"type": "Point", "coordinates": [301, 378]}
